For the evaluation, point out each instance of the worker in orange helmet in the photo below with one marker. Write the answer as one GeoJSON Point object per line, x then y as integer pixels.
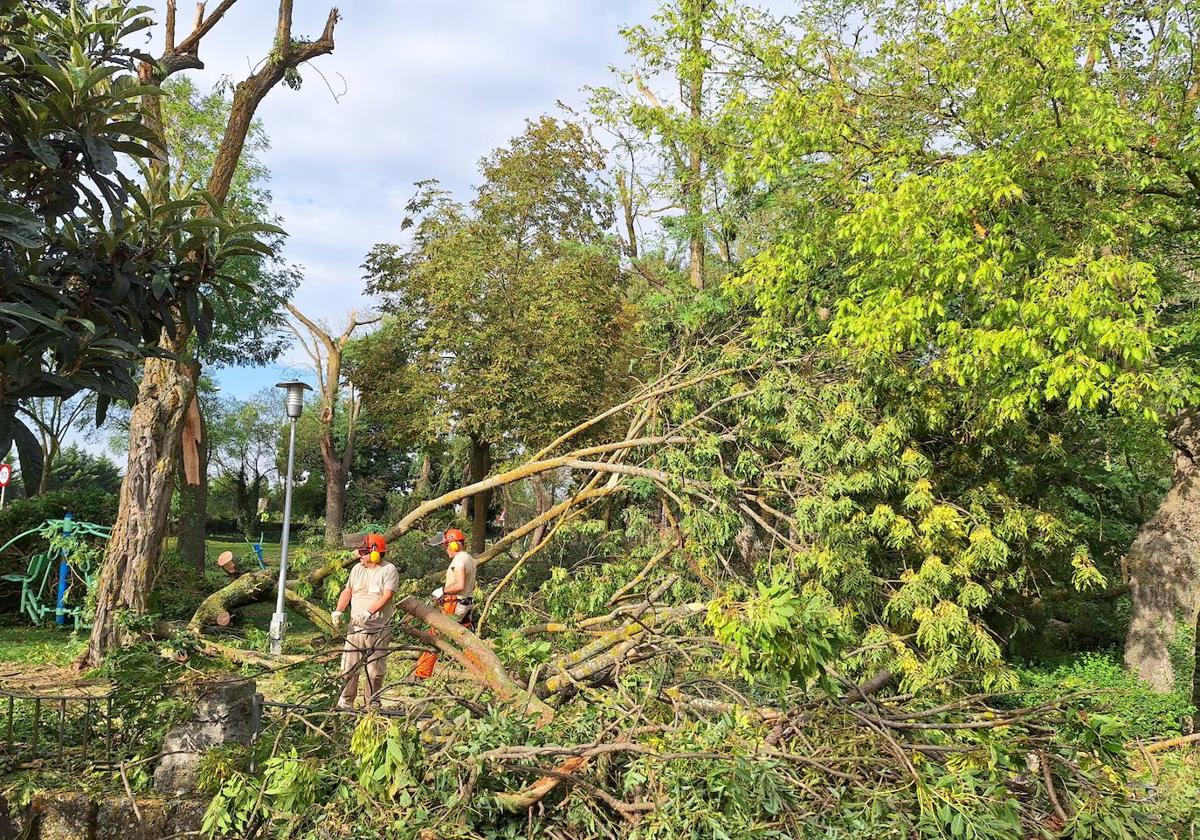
{"type": "Point", "coordinates": [456, 596]}
{"type": "Point", "coordinates": [368, 595]}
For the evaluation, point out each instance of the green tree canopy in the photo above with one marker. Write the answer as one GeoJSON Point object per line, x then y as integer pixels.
{"type": "Point", "coordinates": [512, 307]}
{"type": "Point", "coordinates": [92, 269]}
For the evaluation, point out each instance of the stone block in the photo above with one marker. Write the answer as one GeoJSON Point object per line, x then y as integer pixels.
{"type": "Point", "coordinates": [185, 816]}
{"type": "Point", "coordinates": [116, 819]}
{"type": "Point", "coordinates": [64, 815]}
{"type": "Point", "coordinates": [225, 714]}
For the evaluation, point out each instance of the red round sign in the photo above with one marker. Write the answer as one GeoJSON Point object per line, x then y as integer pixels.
{"type": "Point", "coordinates": [5, 474]}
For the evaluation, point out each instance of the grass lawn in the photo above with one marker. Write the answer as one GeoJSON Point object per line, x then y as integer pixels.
{"type": "Point", "coordinates": [29, 645]}
{"type": "Point", "coordinates": [26, 650]}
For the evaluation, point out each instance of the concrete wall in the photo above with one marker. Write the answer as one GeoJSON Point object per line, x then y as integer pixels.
{"type": "Point", "coordinates": [69, 815]}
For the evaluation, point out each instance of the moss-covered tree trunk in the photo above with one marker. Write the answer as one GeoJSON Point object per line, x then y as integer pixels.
{"type": "Point", "coordinates": [480, 466]}
{"type": "Point", "coordinates": [135, 547]}
{"type": "Point", "coordinates": [1163, 565]}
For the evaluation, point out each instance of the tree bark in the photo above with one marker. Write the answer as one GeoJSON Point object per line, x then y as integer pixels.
{"type": "Point", "coordinates": [481, 465]}
{"type": "Point", "coordinates": [193, 491]}
{"type": "Point", "coordinates": [1164, 565]}
{"type": "Point", "coordinates": [135, 547]}
{"type": "Point", "coordinates": [335, 493]}
{"type": "Point", "coordinates": [694, 183]}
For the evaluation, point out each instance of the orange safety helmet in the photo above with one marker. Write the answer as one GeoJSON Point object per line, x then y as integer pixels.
{"type": "Point", "coordinates": [449, 537]}
{"type": "Point", "coordinates": [375, 545]}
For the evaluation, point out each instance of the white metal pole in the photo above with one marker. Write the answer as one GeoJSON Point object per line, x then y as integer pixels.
{"type": "Point", "coordinates": [279, 620]}
{"type": "Point", "coordinates": [3, 491]}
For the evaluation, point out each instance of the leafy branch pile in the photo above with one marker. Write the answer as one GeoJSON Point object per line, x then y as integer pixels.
{"type": "Point", "coordinates": [660, 738]}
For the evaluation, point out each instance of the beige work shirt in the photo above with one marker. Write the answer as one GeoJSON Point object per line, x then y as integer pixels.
{"type": "Point", "coordinates": [367, 583]}
{"type": "Point", "coordinates": [463, 560]}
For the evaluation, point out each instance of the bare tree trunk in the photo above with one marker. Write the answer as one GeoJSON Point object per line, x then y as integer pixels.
{"type": "Point", "coordinates": [335, 495]}
{"type": "Point", "coordinates": [694, 188]}
{"type": "Point", "coordinates": [48, 457]}
{"type": "Point", "coordinates": [422, 488]}
{"type": "Point", "coordinates": [545, 500]}
{"type": "Point", "coordinates": [326, 352]}
{"type": "Point", "coordinates": [136, 543]}
{"type": "Point", "coordinates": [193, 492]}
{"type": "Point", "coordinates": [1164, 565]}
{"type": "Point", "coordinates": [481, 465]}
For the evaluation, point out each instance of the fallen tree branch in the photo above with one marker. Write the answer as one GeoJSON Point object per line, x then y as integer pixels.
{"type": "Point", "coordinates": [533, 550]}
{"type": "Point", "coordinates": [317, 615]}
{"type": "Point", "coordinates": [574, 459]}
{"type": "Point", "coordinates": [625, 809]}
{"type": "Point", "coordinates": [474, 655]}
{"type": "Point", "coordinates": [502, 544]}
{"type": "Point", "coordinates": [1171, 743]}
{"type": "Point", "coordinates": [620, 641]}
{"type": "Point", "coordinates": [674, 544]}
{"type": "Point", "coordinates": [525, 799]}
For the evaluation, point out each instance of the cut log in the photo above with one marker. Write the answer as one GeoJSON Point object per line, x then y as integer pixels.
{"type": "Point", "coordinates": [247, 589]}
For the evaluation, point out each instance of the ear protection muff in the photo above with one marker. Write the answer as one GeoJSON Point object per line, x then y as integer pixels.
{"type": "Point", "coordinates": [375, 555]}
{"type": "Point", "coordinates": [453, 547]}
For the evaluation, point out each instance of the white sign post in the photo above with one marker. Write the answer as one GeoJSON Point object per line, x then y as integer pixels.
{"type": "Point", "coordinates": [5, 477]}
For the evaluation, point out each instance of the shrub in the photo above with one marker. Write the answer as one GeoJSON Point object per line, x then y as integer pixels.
{"type": "Point", "coordinates": [1110, 690]}
{"type": "Point", "coordinates": [88, 505]}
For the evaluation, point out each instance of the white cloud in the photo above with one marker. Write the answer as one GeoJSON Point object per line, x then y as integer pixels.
{"type": "Point", "coordinates": [428, 89]}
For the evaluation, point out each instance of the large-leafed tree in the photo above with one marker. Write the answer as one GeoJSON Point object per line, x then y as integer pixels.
{"type": "Point", "coordinates": [94, 264]}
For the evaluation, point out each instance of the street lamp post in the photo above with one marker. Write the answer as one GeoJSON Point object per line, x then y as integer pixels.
{"type": "Point", "coordinates": [295, 404]}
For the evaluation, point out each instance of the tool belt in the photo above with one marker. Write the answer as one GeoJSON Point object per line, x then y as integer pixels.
{"type": "Point", "coordinates": [451, 603]}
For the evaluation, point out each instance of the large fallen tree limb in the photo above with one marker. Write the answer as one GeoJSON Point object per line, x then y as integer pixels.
{"type": "Point", "coordinates": [255, 586]}
{"type": "Point", "coordinates": [607, 650]}
{"type": "Point", "coordinates": [249, 588]}
{"type": "Point", "coordinates": [576, 459]}
{"type": "Point", "coordinates": [475, 656]}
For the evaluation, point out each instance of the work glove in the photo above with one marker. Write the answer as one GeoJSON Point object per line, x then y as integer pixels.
{"type": "Point", "coordinates": [438, 595]}
{"type": "Point", "coordinates": [363, 617]}
{"type": "Point", "coordinates": [335, 618]}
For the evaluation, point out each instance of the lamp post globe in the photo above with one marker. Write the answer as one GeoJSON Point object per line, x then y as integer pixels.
{"type": "Point", "coordinates": [295, 405]}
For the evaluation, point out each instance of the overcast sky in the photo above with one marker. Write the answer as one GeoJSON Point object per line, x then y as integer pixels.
{"type": "Point", "coordinates": [425, 88]}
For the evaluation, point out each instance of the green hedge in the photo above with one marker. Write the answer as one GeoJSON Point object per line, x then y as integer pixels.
{"type": "Point", "coordinates": [87, 505]}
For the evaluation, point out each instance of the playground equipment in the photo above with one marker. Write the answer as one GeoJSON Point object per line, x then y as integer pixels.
{"type": "Point", "coordinates": [64, 537]}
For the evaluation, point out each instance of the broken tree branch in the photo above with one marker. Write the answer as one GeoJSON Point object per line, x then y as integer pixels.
{"type": "Point", "coordinates": [475, 656]}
